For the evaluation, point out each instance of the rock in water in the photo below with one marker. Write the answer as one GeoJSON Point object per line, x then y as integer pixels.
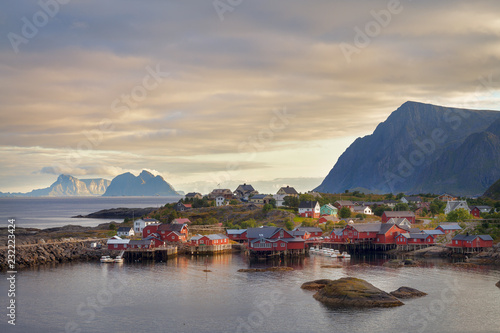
{"type": "Point", "coordinates": [407, 292]}
{"type": "Point", "coordinates": [498, 284]}
{"type": "Point", "coordinates": [353, 292]}
{"type": "Point", "coordinates": [315, 285]}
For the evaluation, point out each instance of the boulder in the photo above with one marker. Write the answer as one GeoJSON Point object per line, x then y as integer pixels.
{"type": "Point", "coordinates": [315, 285]}
{"type": "Point", "coordinates": [498, 284]}
{"type": "Point", "coordinates": [353, 292]}
{"type": "Point", "coordinates": [407, 292]}
{"type": "Point", "coordinates": [332, 266]}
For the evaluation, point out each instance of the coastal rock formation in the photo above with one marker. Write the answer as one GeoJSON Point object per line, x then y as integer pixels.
{"type": "Point", "coordinates": [315, 285]}
{"type": "Point", "coordinates": [353, 292]}
{"type": "Point", "coordinates": [407, 292]}
{"type": "Point", "coordinates": [118, 213]}
{"type": "Point", "coordinates": [498, 284]}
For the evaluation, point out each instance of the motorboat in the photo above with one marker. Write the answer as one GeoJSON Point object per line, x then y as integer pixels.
{"type": "Point", "coordinates": [107, 259]}
{"type": "Point", "coordinates": [118, 259]}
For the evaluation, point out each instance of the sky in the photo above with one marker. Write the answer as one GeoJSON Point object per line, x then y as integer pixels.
{"type": "Point", "coordinates": [225, 91]}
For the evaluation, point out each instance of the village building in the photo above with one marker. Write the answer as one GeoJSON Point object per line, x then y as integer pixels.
{"type": "Point", "coordinates": [226, 193]}
{"type": "Point", "coordinates": [194, 195]}
{"type": "Point", "coordinates": [140, 224]}
{"type": "Point", "coordinates": [141, 244]}
{"type": "Point", "coordinates": [237, 235]}
{"type": "Point", "coordinates": [313, 231]}
{"type": "Point", "coordinates": [243, 192]}
{"type": "Point", "coordinates": [310, 209]}
{"type": "Point", "coordinates": [389, 203]}
{"type": "Point", "coordinates": [435, 232]}
{"type": "Point", "coordinates": [261, 199]}
{"type": "Point", "coordinates": [400, 221]}
{"type": "Point", "coordinates": [414, 239]}
{"type": "Point", "coordinates": [328, 218]}
{"type": "Point", "coordinates": [387, 215]}
{"type": "Point", "coordinates": [221, 201]}
{"type": "Point", "coordinates": [413, 200]}
{"type": "Point", "coordinates": [181, 221]}
{"type": "Point", "coordinates": [454, 205]}
{"type": "Point", "coordinates": [280, 199]}
{"type": "Point", "coordinates": [343, 203]}
{"type": "Point", "coordinates": [156, 239]}
{"type": "Point", "coordinates": [274, 240]}
{"type": "Point", "coordinates": [362, 210]}
{"type": "Point", "coordinates": [472, 241]}
{"type": "Point", "coordinates": [302, 234]}
{"type": "Point", "coordinates": [288, 191]}
{"type": "Point", "coordinates": [182, 207]}
{"type": "Point", "coordinates": [477, 210]}
{"type": "Point", "coordinates": [447, 197]}
{"type": "Point", "coordinates": [328, 210]}
{"type": "Point", "coordinates": [116, 243]}
{"type": "Point", "coordinates": [209, 240]}
{"type": "Point", "coordinates": [125, 232]}
{"type": "Point", "coordinates": [175, 233]}
{"type": "Point", "coordinates": [449, 227]}
{"type": "Point", "coordinates": [337, 236]}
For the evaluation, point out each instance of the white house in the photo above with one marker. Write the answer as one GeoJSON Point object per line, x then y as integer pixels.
{"type": "Point", "coordinates": [220, 201]}
{"type": "Point", "coordinates": [362, 210]}
{"type": "Point", "coordinates": [309, 209]}
{"type": "Point", "coordinates": [125, 231]}
{"type": "Point", "coordinates": [453, 205]}
{"type": "Point", "coordinates": [280, 199]}
{"type": "Point", "coordinates": [140, 224]}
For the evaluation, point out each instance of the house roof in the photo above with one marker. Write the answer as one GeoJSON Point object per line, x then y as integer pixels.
{"type": "Point", "coordinates": [403, 213]}
{"type": "Point", "coordinates": [433, 232]}
{"type": "Point", "coordinates": [398, 220]}
{"type": "Point", "coordinates": [367, 227]}
{"type": "Point", "coordinates": [450, 226]}
{"type": "Point", "coordinates": [140, 242]}
{"type": "Point", "coordinates": [235, 231]}
{"type": "Point", "coordinates": [286, 240]}
{"type": "Point", "coordinates": [299, 232]}
{"type": "Point", "coordinates": [452, 205]}
{"type": "Point", "coordinates": [308, 229]}
{"type": "Point", "coordinates": [289, 190]}
{"type": "Point", "coordinates": [181, 221]}
{"type": "Point", "coordinates": [211, 237]}
{"type": "Point", "coordinates": [344, 203]}
{"type": "Point", "coordinates": [308, 204]}
{"type": "Point", "coordinates": [149, 220]}
{"type": "Point", "coordinates": [469, 238]}
{"type": "Point", "coordinates": [385, 227]}
{"type": "Point", "coordinates": [259, 196]}
{"type": "Point", "coordinates": [359, 208]}
{"type": "Point", "coordinates": [419, 235]}
{"type": "Point", "coordinates": [330, 218]}
{"type": "Point", "coordinates": [338, 232]}
{"type": "Point", "coordinates": [264, 232]}
{"type": "Point", "coordinates": [328, 205]}
{"type": "Point", "coordinates": [245, 188]}
{"type": "Point", "coordinates": [171, 227]}
{"type": "Point", "coordinates": [413, 198]}
{"type": "Point", "coordinates": [124, 229]}
{"type": "Point", "coordinates": [117, 240]}
{"type": "Point", "coordinates": [481, 208]}
{"type": "Point", "coordinates": [192, 194]}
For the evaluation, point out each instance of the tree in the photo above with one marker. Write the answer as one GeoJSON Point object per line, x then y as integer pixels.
{"type": "Point", "coordinates": [458, 215]}
{"type": "Point", "coordinates": [289, 225]}
{"type": "Point", "coordinates": [267, 208]}
{"type": "Point", "coordinates": [437, 207]}
{"type": "Point", "coordinates": [402, 207]}
{"type": "Point", "coordinates": [291, 201]}
{"type": "Point", "coordinates": [389, 196]}
{"type": "Point", "coordinates": [345, 212]}
{"type": "Point", "coordinates": [399, 196]}
{"type": "Point", "coordinates": [379, 210]}
{"type": "Point", "coordinates": [272, 202]}
{"type": "Point", "coordinates": [112, 226]}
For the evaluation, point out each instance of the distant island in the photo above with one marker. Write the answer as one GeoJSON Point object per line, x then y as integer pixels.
{"type": "Point", "coordinates": [146, 184]}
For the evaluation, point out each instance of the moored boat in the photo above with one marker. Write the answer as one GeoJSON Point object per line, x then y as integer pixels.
{"type": "Point", "coordinates": [107, 259]}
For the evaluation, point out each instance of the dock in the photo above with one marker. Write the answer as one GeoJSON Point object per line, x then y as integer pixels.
{"type": "Point", "coordinates": [154, 254]}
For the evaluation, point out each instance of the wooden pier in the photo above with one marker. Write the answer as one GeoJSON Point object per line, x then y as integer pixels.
{"type": "Point", "coordinates": [209, 249]}
{"type": "Point", "coordinates": [277, 254]}
{"type": "Point", "coordinates": [155, 254]}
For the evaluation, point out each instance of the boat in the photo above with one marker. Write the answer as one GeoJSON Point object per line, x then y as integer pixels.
{"type": "Point", "coordinates": [344, 255]}
{"type": "Point", "coordinates": [118, 259]}
{"type": "Point", "coordinates": [107, 259]}
{"type": "Point", "coordinates": [334, 255]}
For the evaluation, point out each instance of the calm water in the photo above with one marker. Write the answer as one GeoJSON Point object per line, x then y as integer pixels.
{"type": "Point", "coordinates": [178, 296]}
{"type": "Point", "coordinates": [57, 212]}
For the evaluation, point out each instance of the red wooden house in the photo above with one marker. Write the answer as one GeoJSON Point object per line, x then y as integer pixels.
{"type": "Point", "coordinates": [414, 239]}
{"type": "Point", "coordinates": [173, 232]}
{"type": "Point", "coordinates": [157, 241]}
{"type": "Point", "coordinates": [449, 227]}
{"type": "Point", "coordinates": [209, 240]}
{"type": "Point", "coordinates": [116, 243]}
{"type": "Point", "coordinates": [313, 231]}
{"type": "Point", "coordinates": [355, 233]}
{"type": "Point", "coordinates": [141, 244]}
{"type": "Point", "coordinates": [237, 235]}
{"type": "Point", "coordinates": [343, 203]}
{"type": "Point", "coordinates": [472, 241]}
{"type": "Point", "coordinates": [149, 230]}
{"type": "Point", "coordinates": [273, 239]}
{"type": "Point", "coordinates": [477, 210]}
{"type": "Point", "coordinates": [302, 234]}
{"type": "Point", "coordinates": [387, 215]}
{"type": "Point", "coordinates": [388, 233]}
{"type": "Point", "coordinates": [337, 236]}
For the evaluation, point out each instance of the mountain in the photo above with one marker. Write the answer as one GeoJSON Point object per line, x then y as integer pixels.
{"type": "Point", "coordinates": [493, 192]}
{"type": "Point", "coordinates": [66, 185]}
{"type": "Point", "coordinates": [143, 185]}
{"type": "Point", "coordinates": [423, 148]}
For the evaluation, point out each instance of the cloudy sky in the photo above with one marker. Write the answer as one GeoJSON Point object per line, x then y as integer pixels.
{"type": "Point", "coordinates": [207, 92]}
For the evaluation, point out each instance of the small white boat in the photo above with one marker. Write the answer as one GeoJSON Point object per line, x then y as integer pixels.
{"type": "Point", "coordinates": [107, 259]}
{"type": "Point", "coordinates": [312, 249]}
{"type": "Point", "coordinates": [344, 255]}
{"type": "Point", "coordinates": [118, 259]}
{"type": "Point", "coordinates": [334, 255]}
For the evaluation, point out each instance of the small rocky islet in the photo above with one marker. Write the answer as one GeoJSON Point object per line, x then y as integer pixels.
{"type": "Point", "coordinates": [354, 292]}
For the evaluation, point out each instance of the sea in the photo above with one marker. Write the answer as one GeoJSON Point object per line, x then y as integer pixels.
{"type": "Point", "coordinates": [196, 294]}
{"type": "Point", "coordinates": [49, 212]}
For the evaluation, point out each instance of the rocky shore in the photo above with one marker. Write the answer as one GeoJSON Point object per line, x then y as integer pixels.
{"type": "Point", "coordinates": [118, 213]}
{"type": "Point", "coordinates": [30, 255]}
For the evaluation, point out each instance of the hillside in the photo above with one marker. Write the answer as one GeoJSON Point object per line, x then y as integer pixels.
{"type": "Point", "coordinates": [422, 148]}
{"type": "Point", "coordinates": [494, 191]}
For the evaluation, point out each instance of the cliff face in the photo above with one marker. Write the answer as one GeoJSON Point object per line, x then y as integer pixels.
{"type": "Point", "coordinates": [422, 148]}
{"type": "Point", "coordinates": [143, 185]}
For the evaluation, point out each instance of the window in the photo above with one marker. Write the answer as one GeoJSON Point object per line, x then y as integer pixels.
{"type": "Point", "coordinates": [282, 244]}
{"type": "Point", "coordinates": [116, 246]}
{"type": "Point", "coordinates": [201, 242]}
{"type": "Point", "coordinates": [282, 234]}
{"type": "Point", "coordinates": [275, 245]}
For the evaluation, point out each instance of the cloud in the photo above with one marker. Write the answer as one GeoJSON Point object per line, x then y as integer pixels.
{"type": "Point", "coordinates": [226, 79]}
